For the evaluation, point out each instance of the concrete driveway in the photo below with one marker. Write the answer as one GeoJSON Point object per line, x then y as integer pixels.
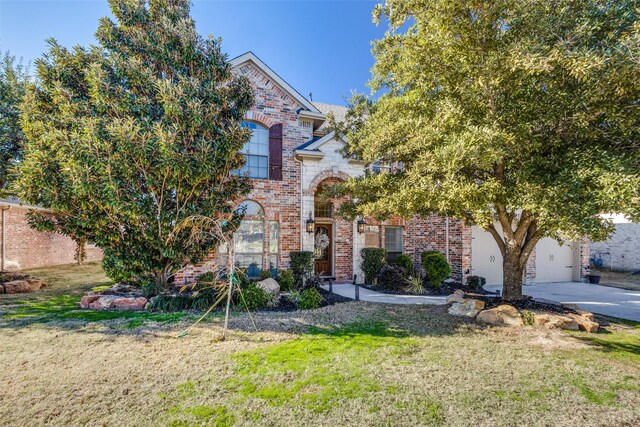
{"type": "Point", "coordinates": [595, 298]}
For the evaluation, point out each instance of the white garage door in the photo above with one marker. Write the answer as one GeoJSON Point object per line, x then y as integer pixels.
{"type": "Point", "coordinates": [554, 263]}
{"type": "Point", "coordinates": [486, 258]}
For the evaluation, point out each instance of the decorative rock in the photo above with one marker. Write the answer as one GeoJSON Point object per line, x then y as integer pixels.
{"type": "Point", "coordinates": [456, 296]}
{"type": "Point", "coordinates": [36, 284]}
{"type": "Point", "coordinates": [587, 315]}
{"type": "Point", "coordinates": [104, 302]}
{"type": "Point", "coordinates": [553, 321]}
{"type": "Point", "coordinates": [86, 300]}
{"type": "Point", "coordinates": [130, 304]}
{"type": "Point", "coordinates": [269, 285]}
{"type": "Point", "coordinates": [16, 287]}
{"type": "Point", "coordinates": [501, 315]}
{"type": "Point", "coordinates": [584, 323]}
{"type": "Point", "coordinates": [467, 307]}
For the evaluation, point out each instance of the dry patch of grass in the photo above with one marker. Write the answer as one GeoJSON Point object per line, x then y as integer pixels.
{"type": "Point", "coordinates": [349, 364]}
{"type": "Point", "coordinates": [617, 279]}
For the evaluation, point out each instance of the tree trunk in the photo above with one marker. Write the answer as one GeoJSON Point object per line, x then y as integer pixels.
{"type": "Point", "coordinates": [512, 272]}
{"type": "Point", "coordinates": [81, 253]}
{"type": "Point", "coordinates": [162, 278]}
{"type": "Point", "coordinates": [519, 236]}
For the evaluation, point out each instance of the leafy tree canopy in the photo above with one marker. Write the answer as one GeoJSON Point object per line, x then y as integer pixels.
{"type": "Point", "coordinates": [132, 137]}
{"type": "Point", "coordinates": [14, 78]}
{"type": "Point", "coordinates": [521, 113]}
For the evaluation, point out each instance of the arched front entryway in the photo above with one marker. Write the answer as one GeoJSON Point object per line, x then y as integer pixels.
{"type": "Point", "coordinates": [332, 237]}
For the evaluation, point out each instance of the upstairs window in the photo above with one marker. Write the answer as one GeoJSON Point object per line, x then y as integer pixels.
{"type": "Point", "coordinates": [256, 152]}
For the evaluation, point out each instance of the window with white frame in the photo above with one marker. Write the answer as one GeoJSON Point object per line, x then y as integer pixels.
{"type": "Point", "coordinates": [274, 246]}
{"type": "Point", "coordinates": [393, 242]}
{"type": "Point", "coordinates": [256, 152]}
{"type": "Point", "coordinates": [249, 246]}
{"type": "Point", "coordinates": [371, 236]}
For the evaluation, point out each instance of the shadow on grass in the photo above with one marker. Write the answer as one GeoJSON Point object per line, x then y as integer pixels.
{"type": "Point", "coordinates": [622, 340]}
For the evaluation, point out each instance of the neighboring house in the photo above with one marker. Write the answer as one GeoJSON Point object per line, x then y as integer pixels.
{"type": "Point", "coordinates": [292, 158]}
{"type": "Point", "coordinates": [23, 247]}
{"type": "Point", "coordinates": [622, 250]}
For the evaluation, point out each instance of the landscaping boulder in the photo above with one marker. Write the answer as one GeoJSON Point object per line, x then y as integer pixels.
{"type": "Point", "coordinates": [585, 323]}
{"type": "Point", "coordinates": [36, 284]}
{"type": "Point", "coordinates": [16, 287]}
{"type": "Point", "coordinates": [501, 315]}
{"type": "Point", "coordinates": [104, 302]}
{"type": "Point", "coordinates": [554, 321]}
{"type": "Point", "coordinates": [467, 307]}
{"type": "Point", "coordinates": [587, 315]}
{"type": "Point", "coordinates": [86, 300]}
{"type": "Point", "coordinates": [456, 296]}
{"type": "Point", "coordinates": [269, 285]}
{"type": "Point", "coordinates": [130, 304]}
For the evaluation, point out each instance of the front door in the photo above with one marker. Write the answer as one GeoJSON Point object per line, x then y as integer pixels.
{"type": "Point", "coordinates": [324, 249]}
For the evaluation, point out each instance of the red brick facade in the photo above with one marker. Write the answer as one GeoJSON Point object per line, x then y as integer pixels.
{"type": "Point", "coordinates": [310, 159]}
{"type": "Point", "coordinates": [282, 200]}
{"type": "Point", "coordinates": [26, 248]}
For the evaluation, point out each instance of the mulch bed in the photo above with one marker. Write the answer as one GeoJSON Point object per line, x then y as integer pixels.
{"type": "Point", "coordinates": [287, 305]}
{"type": "Point", "coordinates": [527, 303]}
{"type": "Point", "coordinates": [444, 290]}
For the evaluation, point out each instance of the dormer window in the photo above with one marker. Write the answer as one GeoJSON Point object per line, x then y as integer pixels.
{"type": "Point", "coordinates": [256, 152]}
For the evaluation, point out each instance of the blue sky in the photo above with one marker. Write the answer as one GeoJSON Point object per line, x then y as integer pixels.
{"type": "Point", "coordinates": [321, 47]}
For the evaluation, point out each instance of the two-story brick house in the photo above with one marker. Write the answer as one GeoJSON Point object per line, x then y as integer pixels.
{"type": "Point", "coordinates": [291, 157]}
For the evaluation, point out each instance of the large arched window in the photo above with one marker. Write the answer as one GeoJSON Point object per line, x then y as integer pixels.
{"type": "Point", "coordinates": [249, 246]}
{"type": "Point", "coordinates": [250, 208]}
{"type": "Point", "coordinates": [256, 152]}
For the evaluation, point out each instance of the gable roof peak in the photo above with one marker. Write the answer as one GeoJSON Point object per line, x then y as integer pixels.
{"type": "Point", "coordinates": [251, 57]}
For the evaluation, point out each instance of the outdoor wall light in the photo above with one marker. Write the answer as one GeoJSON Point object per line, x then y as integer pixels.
{"type": "Point", "coordinates": [310, 224]}
{"type": "Point", "coordinates": [361, 225]}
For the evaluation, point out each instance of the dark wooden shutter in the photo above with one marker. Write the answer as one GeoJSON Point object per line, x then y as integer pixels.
{"type": "Point", "coordinates": [275, 152]}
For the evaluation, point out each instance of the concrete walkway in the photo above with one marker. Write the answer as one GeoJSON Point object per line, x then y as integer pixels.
{"type": "Point", "coordinates": [595, 298]}
{"type": "Point", "coordinates": [348, 290]}
{"type": "Point", "coordinates": [605, 300]}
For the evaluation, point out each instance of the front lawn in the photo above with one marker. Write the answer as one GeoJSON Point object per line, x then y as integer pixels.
{"type": "Point", "coordinates": [348, 364]}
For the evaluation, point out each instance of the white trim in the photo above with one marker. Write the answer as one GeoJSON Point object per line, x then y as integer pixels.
{"type": "Point", "coordinates": [319, 143]}
{"type": "Point", "coordinates": [251, 57]}
{"type": "Point", "coordinates": [305, 154]}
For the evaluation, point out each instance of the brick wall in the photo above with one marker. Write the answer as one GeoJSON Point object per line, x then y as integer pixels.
{"type": "Point", "coordinates": [280, 199]}
{"type": "Point", "coordinates": [28, 248]}
{"type": "Point", "coordinates": [430, 233]}
{"type": "Point", "coordinates": [622, 250]}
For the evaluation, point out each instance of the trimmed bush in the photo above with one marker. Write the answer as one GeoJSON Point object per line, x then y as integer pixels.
{"type": "Point", "coordinates": [301, 267]}
{"type": "Point", "coordinates": [310, 299]}
{"type": "Point", "coordinates": [372, 261]}
{"type": "Point", "coordinates": [392, 278]}
{"type": "Point", "coordinates": [404, 261]}
{"type": "Point", "coordinates": [253, 298]}
{"type": "Point", "coordinates": [436, 266]}
{"type": "Point", "coordinates": [476, 282]}
{"type": "Point", "coordinates": [265, 274]}
{"type": "Point", "coordinates": [285, 280]}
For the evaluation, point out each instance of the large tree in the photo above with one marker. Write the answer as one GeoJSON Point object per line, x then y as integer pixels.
{"type": "Point", "coordinates": [14, 78]}
{"type": "Point", "coordinates": [132, 137]}
{"type": "Point", "coordinates": [520, 116]}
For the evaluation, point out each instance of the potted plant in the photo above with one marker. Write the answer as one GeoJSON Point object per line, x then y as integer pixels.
{"type": "Point", "coordinates": [593, 278]}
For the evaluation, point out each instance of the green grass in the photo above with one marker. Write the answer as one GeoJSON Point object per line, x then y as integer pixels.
{"type": "Point", "coordinates": [60, 301]}
{"type": "Point", "coordinates": [620, 343]}
{"type": "Point", "coordinates": [321, 371]}
{"type": "Point", "coordinates": [349, 364]}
